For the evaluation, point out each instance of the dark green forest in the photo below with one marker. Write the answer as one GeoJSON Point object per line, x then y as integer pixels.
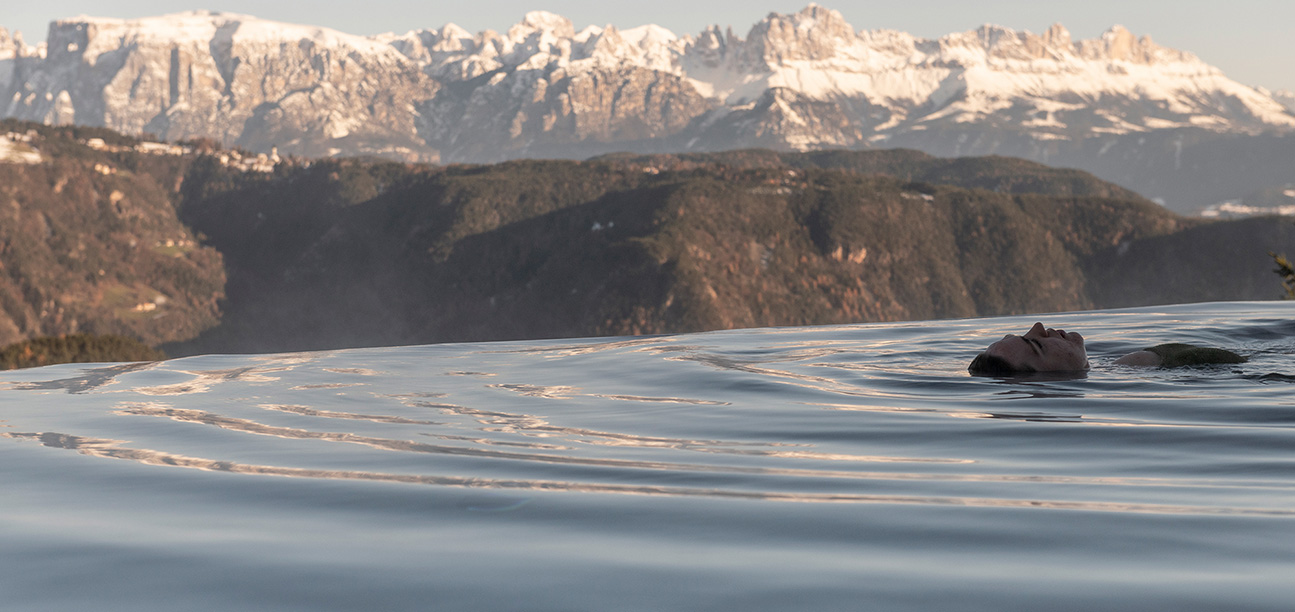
{"type": "Point", "coordinates": [1286, 271]}
{"type": "Point", "coordinates": [75, 348]}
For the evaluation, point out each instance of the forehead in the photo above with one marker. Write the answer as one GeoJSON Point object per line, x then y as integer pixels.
{"type": "Point", "coordinates": [1011, 340]}
{"type": "Point", "coordinates": [1016, 351]}
{"type": "Point", "coordinates": [1011, 347]}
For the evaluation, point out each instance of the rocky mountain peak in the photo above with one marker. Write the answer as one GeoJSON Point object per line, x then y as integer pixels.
{"type": "Point", "coordinates": [709, 49]}
{"type": "Point", "coordinates": [799, 80]}
{"type": "Point", "coordinates": [991, 41]}
{"type": "Point", "coordinates": [438, 47]}
{"type": "Point", "coordinates": [814, 33]}
{"type": "Point", "coordinates": [649, 36]}
{"type": "Point", "coordinates": [1058, 37]}
{"type": "Point", "coordinates": [543, 22]}
{"type": "Point", "coordinates": [539, 39]}
{"type": "Point", "coordinates": [451, 37]}
{"type": "Point", "coordinates": [1119, 44]}
{"type": "Point", "coordinates": [604, 45]}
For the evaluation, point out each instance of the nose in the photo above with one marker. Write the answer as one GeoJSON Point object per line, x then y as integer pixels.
{"type": "Point", "coordinates": [1037, 330]}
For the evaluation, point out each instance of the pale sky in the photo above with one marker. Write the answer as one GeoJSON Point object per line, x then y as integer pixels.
{"type": "Point", "coordinates": [1252, 41]}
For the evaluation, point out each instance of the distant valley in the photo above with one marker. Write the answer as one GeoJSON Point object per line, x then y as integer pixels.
{"type": "Point", "coordinates": [200, 250]}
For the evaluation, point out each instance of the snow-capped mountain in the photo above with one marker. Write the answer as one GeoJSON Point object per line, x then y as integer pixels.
{"type": "Point", "coordinates": [809, 80]}
{"type": "Point", "coordinates": [1286, 98]}
{"type": "Point", "coordinates": [233, 78]}
{"type": "Point", "coordinates": [544, 89]}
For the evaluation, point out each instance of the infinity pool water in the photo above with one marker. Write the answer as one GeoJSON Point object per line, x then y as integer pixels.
{"type": "Point", "coordinates": [822, 468]}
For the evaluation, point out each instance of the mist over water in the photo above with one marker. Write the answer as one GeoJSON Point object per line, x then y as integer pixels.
{"type": "Point", "coordinates": [840, 467]}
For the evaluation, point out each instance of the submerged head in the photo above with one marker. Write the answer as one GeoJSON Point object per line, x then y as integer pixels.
{"type": "Point", "coordinates": [1038, 350]}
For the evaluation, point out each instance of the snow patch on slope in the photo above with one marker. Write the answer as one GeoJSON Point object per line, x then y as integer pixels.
{"type": "Point", "coordinates": [200, 27]}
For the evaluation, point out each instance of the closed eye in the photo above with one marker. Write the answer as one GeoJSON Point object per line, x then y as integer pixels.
{"type": "Point", "coordinates": [1035, 344]}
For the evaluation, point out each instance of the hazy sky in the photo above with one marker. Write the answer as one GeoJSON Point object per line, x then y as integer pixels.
{"type": "Point", "coordinates": [1250, 40]}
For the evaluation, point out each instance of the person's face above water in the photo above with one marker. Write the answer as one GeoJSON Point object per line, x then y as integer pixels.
{"type": "Point", "coordinates": [1042, 350]}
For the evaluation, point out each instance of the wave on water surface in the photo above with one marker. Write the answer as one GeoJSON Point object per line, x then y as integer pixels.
{"type": "Point", "coordinates": [669, 459]}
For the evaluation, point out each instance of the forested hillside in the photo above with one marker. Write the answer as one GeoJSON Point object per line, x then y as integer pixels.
{"type": "Point", "coordinates": [347, 253]}
{"type": "Point", "coordinates": [90, 242]}
{"type": "Point", "coordinates": [190, 248]}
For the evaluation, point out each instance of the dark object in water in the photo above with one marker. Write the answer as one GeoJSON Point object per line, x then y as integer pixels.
{"type": "Point", "coordinates": [1176, 355]}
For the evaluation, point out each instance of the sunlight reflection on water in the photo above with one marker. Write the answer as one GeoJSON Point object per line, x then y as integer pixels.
{"type": "Point", "coordinates": [579, 446]}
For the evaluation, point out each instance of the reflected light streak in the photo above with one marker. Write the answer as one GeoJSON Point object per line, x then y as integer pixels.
{"type": "Point", "coordinates": [868, 408]}
{"type": "Point", "coordinates": [185, 388]}
{"type": "Point", "coordinates": [665, 400]}
{"type": "Point", "coordinates": [489, 442]}
{"type": "Point", "coordinates": [204, 380]}
{"type": "Point", "coordinates": [528, 425]}
{"type": "Point", "coordinates": [549, 392]}
{"type": "Point", "coordinates": [308, 411]}
{"type": "Point", "coordinates": [291, 359]}
{"type": "Point", "coordinates": [89, 380]}
{"type": "Point", "coordinates": [113, 449]}
{"type": "Point", "coordinates": [356, 371]}
{"type": "Point", "coordinates": [572, 350]}
{"type": "Point", "coordinates": [252, 427]}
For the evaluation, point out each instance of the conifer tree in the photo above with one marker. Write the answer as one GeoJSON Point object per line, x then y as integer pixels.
{"type": "Point", "coordinates": [1287, 272]}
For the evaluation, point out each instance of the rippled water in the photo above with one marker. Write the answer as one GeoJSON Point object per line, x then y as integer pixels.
{"type": "Point", "coordinates": [830, 468]}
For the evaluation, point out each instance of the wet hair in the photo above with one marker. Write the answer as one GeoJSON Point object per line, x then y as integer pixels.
{"type": "Point", "coordinates": [1178, 355]}
{"type": "Point", "coordinates": [993, 365]}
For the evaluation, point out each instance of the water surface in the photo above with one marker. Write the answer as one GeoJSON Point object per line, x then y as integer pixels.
{"type": "Point", "coordinates": [846, 467]}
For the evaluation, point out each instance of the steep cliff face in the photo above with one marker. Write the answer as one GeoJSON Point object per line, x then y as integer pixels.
{"type": "Point", "coordinates": [545, 89]}
{"type": "Point", "coordinates": [568, 115]}
{"type": "Point", "coordinates": [238, 79]}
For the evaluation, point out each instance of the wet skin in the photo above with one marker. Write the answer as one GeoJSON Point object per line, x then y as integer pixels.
{"type": "Point", "coordinates": [1042, 350]}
